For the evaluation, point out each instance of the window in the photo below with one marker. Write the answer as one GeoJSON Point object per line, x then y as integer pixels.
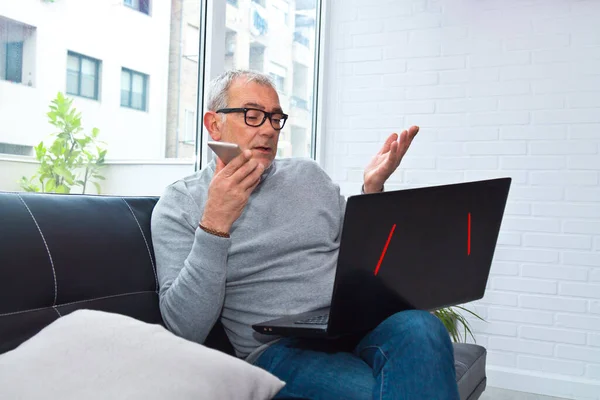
{"type": "Point", "coordinates": [14, 62]}
{"type": "Point", "coordinates": [230, 49]}
{"type": "Point", "coordinates": [17, 51]}
{"type": "Point", "coordinates": [191, 38]}
{"type": "Point", "coordinates": [189, 134]}
{"type": "Point", "coordinates": [83, 74]}
{"type": "Point", "coordinates": [279, 82]}
{"type": "Point", "coordinates": [142, 100]}
{"type": "Point", "coordinates": [142, 6]}
{"type": "Point", "coordinates": [133, 89]}
{"type": "Point", "coordinates": [16, 149]}
{"type": "Point", "coordinates": [279, 40]}
{"type": "Point", "coordinates": [257, 57]}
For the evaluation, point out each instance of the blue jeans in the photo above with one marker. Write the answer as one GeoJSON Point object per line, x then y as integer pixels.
{"type": "Point", "coordinates": [408, 356]}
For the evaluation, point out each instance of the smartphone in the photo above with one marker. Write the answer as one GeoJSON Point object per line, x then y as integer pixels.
{"type": "Point", "coordinates": [225, 151]}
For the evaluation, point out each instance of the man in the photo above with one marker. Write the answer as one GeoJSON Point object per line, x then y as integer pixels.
{"type": "Point", "coordinates": [258, 239]}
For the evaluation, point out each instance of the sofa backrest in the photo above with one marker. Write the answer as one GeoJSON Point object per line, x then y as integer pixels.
{"type": "Point", "coordinates": [60, 253]}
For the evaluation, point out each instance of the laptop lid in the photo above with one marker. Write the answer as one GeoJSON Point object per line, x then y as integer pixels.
{"type": "Point", "coordinates": [423, 248]}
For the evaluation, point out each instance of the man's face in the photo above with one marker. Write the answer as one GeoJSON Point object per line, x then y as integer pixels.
{"type": "Point", "coordinates": [261, 140]}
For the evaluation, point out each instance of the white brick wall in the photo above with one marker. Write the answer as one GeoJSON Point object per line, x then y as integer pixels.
{"type": "Point", "coordinates": [500, 88]}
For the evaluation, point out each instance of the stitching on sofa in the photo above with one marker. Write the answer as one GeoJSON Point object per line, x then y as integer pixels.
{"type": "Point", "coordinates": [106, 297]}
{"type": "Point", "coordinates": [58, 312]}
{"type": "Point", "coordinates": [76, 302]}
{"type": "Point", "coordinates": [145, 241]}
{"type": "Point", "coordinates": [381, 388]}
{"type": "Point", "coordinates": [47, 249]}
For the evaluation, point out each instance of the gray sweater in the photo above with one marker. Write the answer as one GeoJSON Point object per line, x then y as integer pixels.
{"type": "Point", "coordinates": [280, 259]}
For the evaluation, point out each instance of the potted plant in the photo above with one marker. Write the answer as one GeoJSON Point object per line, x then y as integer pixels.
{"type": "Point", "coordinates": [456, 324]}
{"type": "Point", "coordinates": [73, 159]}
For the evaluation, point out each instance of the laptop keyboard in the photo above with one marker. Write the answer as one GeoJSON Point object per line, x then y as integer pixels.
{"type": "Point", "coordinates": [316, 320]}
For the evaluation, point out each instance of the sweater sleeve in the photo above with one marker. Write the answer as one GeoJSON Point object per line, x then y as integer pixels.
{"type": "Point", "coordinates": [191, 266]}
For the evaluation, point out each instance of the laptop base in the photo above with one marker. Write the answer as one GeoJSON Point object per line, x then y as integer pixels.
{"type": "Point", "coordinates": [291, 325]}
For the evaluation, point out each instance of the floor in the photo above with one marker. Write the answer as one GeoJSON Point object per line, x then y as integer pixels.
{"type": "Point", "coordinates": [492, 393]}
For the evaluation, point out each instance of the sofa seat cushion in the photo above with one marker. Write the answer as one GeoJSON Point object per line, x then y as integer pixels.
{"type": "Point", "coordinates": [98, 355]}
{"type": "Point", "coordinates": [469, 361]}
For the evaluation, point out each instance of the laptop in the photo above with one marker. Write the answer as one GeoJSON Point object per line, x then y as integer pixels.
{"type": "Point", "coordinates": [424, 248]}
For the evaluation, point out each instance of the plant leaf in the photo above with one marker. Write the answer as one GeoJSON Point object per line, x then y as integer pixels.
{"type": "Point", "coordinates": [471, 312]}
{"type": "Point", "coordinates": [98, 188]}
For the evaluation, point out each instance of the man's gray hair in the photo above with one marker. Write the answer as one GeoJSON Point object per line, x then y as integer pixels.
{"type": "Point", "coordinates": [218, 91]}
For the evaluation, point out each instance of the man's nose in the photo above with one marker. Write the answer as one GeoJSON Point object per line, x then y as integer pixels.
{"type": "Point", "coordinates": [267, 129]}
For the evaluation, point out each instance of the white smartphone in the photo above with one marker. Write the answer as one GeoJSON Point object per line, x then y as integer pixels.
{"type": "Point", "coordinates": [225, 151]}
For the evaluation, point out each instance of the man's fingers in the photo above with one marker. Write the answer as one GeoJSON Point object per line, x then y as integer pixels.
{"type": "Point", "coordinates": [394, 156]}
{"type": "Point", "coordinates": [388, 142]}
{"type": "Point", "coordinates": [220, 165]}
{"type": "Point", "coordinates": [235, 164]}
{"type": "Point", "coordinates": [412, 132]}
{"type": "Point", "coordinates": [252, 179]}
{"type": "Point", "coordinates": [241, 173]}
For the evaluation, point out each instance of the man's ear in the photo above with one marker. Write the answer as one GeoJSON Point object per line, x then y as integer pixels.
{"type": "Point", "coordinates": [212, 123]}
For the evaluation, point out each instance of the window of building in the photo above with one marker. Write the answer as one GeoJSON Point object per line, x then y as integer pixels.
{"type": "Point", "coordinates": [142, 6]}
{"type": "Point", "coordinates": [134, 88]}
{"type": "Point", "coordinates": [83, 75]}
{"type": "Point", "coordinates": [257, 57]}
{"type": "Point", "coordinates": [189, 134]}
{"type": "Point", "coordinates": [14, 62]}
{"type": "Point", "coordinates": [16, 149]}
{"type": "Point", "coordinates": [17, 51]}
{"type": "Point", "coordinates": [191, 38]}
{"type": "Point", "coordinates": [230, 49]}
{"type": "Point", "coordinates": [279, 82]}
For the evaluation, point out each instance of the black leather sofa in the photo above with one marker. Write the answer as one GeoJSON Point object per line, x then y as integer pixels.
{"type": "Point", "coordinates": [60, 253]}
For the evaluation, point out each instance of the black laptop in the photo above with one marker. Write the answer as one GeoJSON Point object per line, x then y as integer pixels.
{"type": "Point", "coordinates": [424, 248]}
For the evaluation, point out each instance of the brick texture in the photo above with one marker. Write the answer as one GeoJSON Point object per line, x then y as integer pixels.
{"type": "Point", "coordinates": [500, 88]}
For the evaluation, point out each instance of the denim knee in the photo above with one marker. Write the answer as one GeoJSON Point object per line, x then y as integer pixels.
{"type": "Point", "coordinates": [419, 325]}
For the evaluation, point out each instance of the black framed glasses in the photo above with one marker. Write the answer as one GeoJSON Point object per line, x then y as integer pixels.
{"type": "Point", "coordinates": [255, 117]}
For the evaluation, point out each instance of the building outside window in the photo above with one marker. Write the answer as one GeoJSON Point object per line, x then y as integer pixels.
{"type": "Point", "coordinates": [146, 150]}
{"type": "Point", "coordinates": [83, 75]}
{"type": "Point", "coordinates": [134, 88]}
{"type": "Point", "coordinates": [278, 37]}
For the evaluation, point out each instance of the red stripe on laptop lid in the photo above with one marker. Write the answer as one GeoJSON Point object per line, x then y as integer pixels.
{"type": "Point", "coordinates": [384, 250]}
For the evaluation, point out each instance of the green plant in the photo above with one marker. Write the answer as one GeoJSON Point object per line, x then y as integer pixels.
{"type": "Point", "coordinates": [74, 158]}
{"type": "Point", "coordinates": [455, 322]}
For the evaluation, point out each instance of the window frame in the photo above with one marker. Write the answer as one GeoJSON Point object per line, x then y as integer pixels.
{"type": "Point", "coordinates": [80, 57]}
{"type": "Point", "coordinates": [145, 77]}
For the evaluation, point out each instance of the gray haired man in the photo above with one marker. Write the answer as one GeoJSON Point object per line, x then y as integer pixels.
{"type": "Point", "coordinates": [258, 239]}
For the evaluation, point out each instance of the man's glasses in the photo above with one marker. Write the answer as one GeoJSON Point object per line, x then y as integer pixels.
{"type": "Point", "coordinates": [255, 117]}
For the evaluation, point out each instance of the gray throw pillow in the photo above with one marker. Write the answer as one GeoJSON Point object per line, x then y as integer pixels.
{"type": "Point", "coordinates": [99, 355]}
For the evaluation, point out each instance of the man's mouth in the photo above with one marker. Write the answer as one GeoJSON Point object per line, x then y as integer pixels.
{"type": "Point", "coordinates": [263, 149]}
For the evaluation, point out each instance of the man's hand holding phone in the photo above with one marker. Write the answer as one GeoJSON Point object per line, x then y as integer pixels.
{"type": "Point", "coordinates": [230, 190]}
